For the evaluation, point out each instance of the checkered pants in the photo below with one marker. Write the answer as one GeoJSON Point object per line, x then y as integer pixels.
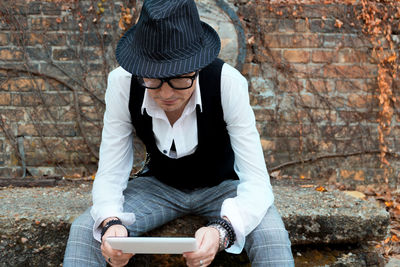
{"type": "Point", "coordinates": [155, 204]}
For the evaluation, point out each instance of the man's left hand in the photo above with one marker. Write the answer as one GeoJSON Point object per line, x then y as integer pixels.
{"type": "Point", "coordinates": [207, 247]}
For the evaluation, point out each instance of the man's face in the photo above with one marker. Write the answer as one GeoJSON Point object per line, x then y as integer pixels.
{"type": "Point", "coordinates": [170, 99]}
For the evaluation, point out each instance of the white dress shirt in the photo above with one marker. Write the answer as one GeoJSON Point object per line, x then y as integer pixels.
{"type": "Point", "coordinates": [254, 193]}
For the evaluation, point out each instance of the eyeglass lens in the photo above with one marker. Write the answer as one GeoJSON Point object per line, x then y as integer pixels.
{"type": "Point", "coordinates": [174, 82]}
{"type": "Point", "coordinates": [183, 82]}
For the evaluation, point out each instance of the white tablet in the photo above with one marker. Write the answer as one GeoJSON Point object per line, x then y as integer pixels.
{"type": "Point", "coordinates": [153, 245]}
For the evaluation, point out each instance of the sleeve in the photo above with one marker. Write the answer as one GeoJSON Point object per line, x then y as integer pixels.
{"type": "Point", "coordinates": [254, 192]}
{"type": "Point", "coordinates": [116, 154]}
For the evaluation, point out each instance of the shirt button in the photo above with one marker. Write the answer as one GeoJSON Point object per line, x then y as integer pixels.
{"type": "Point", "coordinates": [165, 151]}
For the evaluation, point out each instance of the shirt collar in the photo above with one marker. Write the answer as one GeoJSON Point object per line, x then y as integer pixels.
{"type": "Point", "coordinates": [153, 109]}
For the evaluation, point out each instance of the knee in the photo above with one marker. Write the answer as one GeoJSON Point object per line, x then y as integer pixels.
{"type": "Point", "coordinates": [269, 244]}
{"type": "Point", "coordinates": [81, 227]}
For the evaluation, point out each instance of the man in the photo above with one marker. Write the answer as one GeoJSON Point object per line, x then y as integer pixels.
{"type": "Point", "coordinates": [192, 113]}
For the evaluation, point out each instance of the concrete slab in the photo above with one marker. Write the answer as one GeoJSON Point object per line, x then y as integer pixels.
{"type": "Point", "coordinates": [34, 222]}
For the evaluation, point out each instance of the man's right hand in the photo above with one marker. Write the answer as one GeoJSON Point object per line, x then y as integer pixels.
{"type": "Point", "coordinates": [115, 258]}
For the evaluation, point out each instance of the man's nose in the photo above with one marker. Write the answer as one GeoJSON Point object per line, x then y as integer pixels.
{"type": "Point", "coordinates": [166, 91]}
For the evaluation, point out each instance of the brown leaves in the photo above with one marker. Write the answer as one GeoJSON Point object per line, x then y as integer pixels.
{"type": "Point", "coordinates": [378, 21]}
{"type": "Point", "coordinates": [390, 199]}
{"type": "Point", "coordinates": [321, 189]}
{"type": "Point", "coordinates": [126, 18]}
{"type": "Point", "coordinates": [338, 23]}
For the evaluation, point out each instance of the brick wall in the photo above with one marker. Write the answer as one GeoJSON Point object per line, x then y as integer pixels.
{"type": "Point", "coordinates": [313, 87]}
{"type": "Point", "coordinates": [314, 90]}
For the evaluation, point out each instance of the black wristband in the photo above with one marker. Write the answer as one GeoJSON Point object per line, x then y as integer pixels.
{"type": "Point", "coordinates": [228, 227]}
{"type": "Point", "coordinates": [109, 224]}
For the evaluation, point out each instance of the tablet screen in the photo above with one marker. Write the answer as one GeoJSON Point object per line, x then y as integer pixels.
{"type": "Point", "coordinates": [153, 245]}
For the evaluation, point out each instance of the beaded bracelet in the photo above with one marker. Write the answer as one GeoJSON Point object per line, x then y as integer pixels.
{"type": "Point", "coordinates": [228, 227]}
{"type": "Point", "coordinates": [109, 224]}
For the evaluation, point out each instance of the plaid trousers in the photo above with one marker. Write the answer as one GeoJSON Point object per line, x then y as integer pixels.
{"type": "Point", "coordinates": [155, 204]}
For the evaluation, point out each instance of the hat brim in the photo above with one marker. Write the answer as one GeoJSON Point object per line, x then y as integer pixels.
{"type": "Point", "coordinates": [139, 65]}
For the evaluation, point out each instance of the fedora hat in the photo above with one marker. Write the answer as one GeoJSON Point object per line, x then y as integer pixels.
{"type": "Point", "coordinates": [168, 40]}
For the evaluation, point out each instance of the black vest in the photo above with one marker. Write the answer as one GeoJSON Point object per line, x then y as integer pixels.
{"type": "Point", "coordinates": [212, 162]}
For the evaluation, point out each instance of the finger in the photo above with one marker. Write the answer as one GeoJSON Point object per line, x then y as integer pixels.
{"type": "Point", "coordinates": [117, 256]}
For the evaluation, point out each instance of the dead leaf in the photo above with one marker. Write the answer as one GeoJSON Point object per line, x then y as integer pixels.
{"type": "Point", "coordinates": [321, 189]}
{"type": "Point", "coordinates": [250, 41]}
{"type": "Point", "coordinates": [389, 204]}
{"type": "Point", "coordinates": [307, 185]}
{"type": "Point", "coordinates": [338, 23]}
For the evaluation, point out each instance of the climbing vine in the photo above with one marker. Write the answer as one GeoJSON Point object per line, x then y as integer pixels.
{"type": "Point", "coordinates": [378, 20]}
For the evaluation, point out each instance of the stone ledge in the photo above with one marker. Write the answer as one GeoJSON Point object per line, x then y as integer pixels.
{"type": "Point", "coordinates": [35, 221]}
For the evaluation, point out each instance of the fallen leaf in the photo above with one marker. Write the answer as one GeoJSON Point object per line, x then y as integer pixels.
{"type": "Point", "coordinates": [321, 189]}
{"type": "Point", "coordinates": [389, 204]}
{"type": "Point", "coordinates": [338, 23]}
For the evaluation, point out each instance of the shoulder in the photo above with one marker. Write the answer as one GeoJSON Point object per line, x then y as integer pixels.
{"type": "Point", "coordinates": [119, 79]}
{"type": "Point", "coordinates": [118, 83]}
{"type": "Point", "coordinates": [119, 74]}
{"type": "Point", "coordinates": [232, 81]}
{"type": "Point", "coordinates": [230, 73]}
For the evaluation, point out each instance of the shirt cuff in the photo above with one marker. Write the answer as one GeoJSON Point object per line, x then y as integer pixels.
{"type": "Point", "coordinates": [230, 210]}
{"type": "Point", "coordinates": [126, 218]}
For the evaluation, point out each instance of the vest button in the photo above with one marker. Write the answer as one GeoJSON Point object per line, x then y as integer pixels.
{"type": "Point", "coordinates": [165, 151]}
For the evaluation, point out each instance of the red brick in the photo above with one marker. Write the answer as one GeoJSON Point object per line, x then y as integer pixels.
{"type": "Point", "coordinates": [264, 114]}
{"type": "Point", "coordinates": [287, 85]}
{"type": "Point", "coordinates": [291, 115]}
{"type": "Point", "coordinates": [26, 99]}
{"type": "Point", "coordinates": [259, 100]}
{"type": "Point", "coordinates": [268, 144]}
{"type": "Point", "coordinates": [268, 55]}
{"type": "Point", "coordinates": [292, 41]}
{"type": "Point", "coordinates": [11, 54]}
{"type": "Point", "coordinates": [251, 69]}
{"type": "Point", "coordinates": [5, 99]}
{"type": "Point", "coordinates": [92, 113]}
{"type": "Point", "coordinates": [357, 116]}
{"type": "Point", "coordinates": [353, 56]}
{"type": "Point", "coordinates": [3, 39]}
{"type": "Point", "coordinates": [323, 115]}
{"type": "Point", "coordinates": [323, 56]}
{"type": "Point", "coordinates": [352, 174]}
{"type": "Point", "coordinates": [30, 39]}
{"type": "Point", "coordinates": [13, 115]}
{"type": "Point", "coordinates": [306, 70]}
{"type": "Point", "coordinates": [27, 129]}
{"type": "Point", "coordinates": [361, 101]}
{"type": "Point", "coordinates": [26, 84]}
{"type": "Point", "coordinates": [296, 56]}
{"type": "Point", "coordinates": [302, 25]}
{"type": "Point", "coordinates": [344, 86]}
{"type": "Point", "coordinates": [343, 40]}
{"type": "Point", "coordinates": [92, 129]}
{"type": "Point", "coordinates": [320, 86]}
{"type": "Point", "coordinates": [44, 23]}
{"type": "Point", "coordinates": [64, 54]}
{"type": "Point", "coordinates": [350, 71]}
{"type": "Point", "coordinates": [67, 113]}
{"type": "Point", "coordinates": [47, 129]}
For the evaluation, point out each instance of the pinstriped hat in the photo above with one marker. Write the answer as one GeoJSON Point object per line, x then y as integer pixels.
{"type": "Point", "coordinates": [168, 40]}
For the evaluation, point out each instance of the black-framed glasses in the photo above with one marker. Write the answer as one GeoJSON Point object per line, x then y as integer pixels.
{"type": "Point", "coordinates": [178, 83]}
